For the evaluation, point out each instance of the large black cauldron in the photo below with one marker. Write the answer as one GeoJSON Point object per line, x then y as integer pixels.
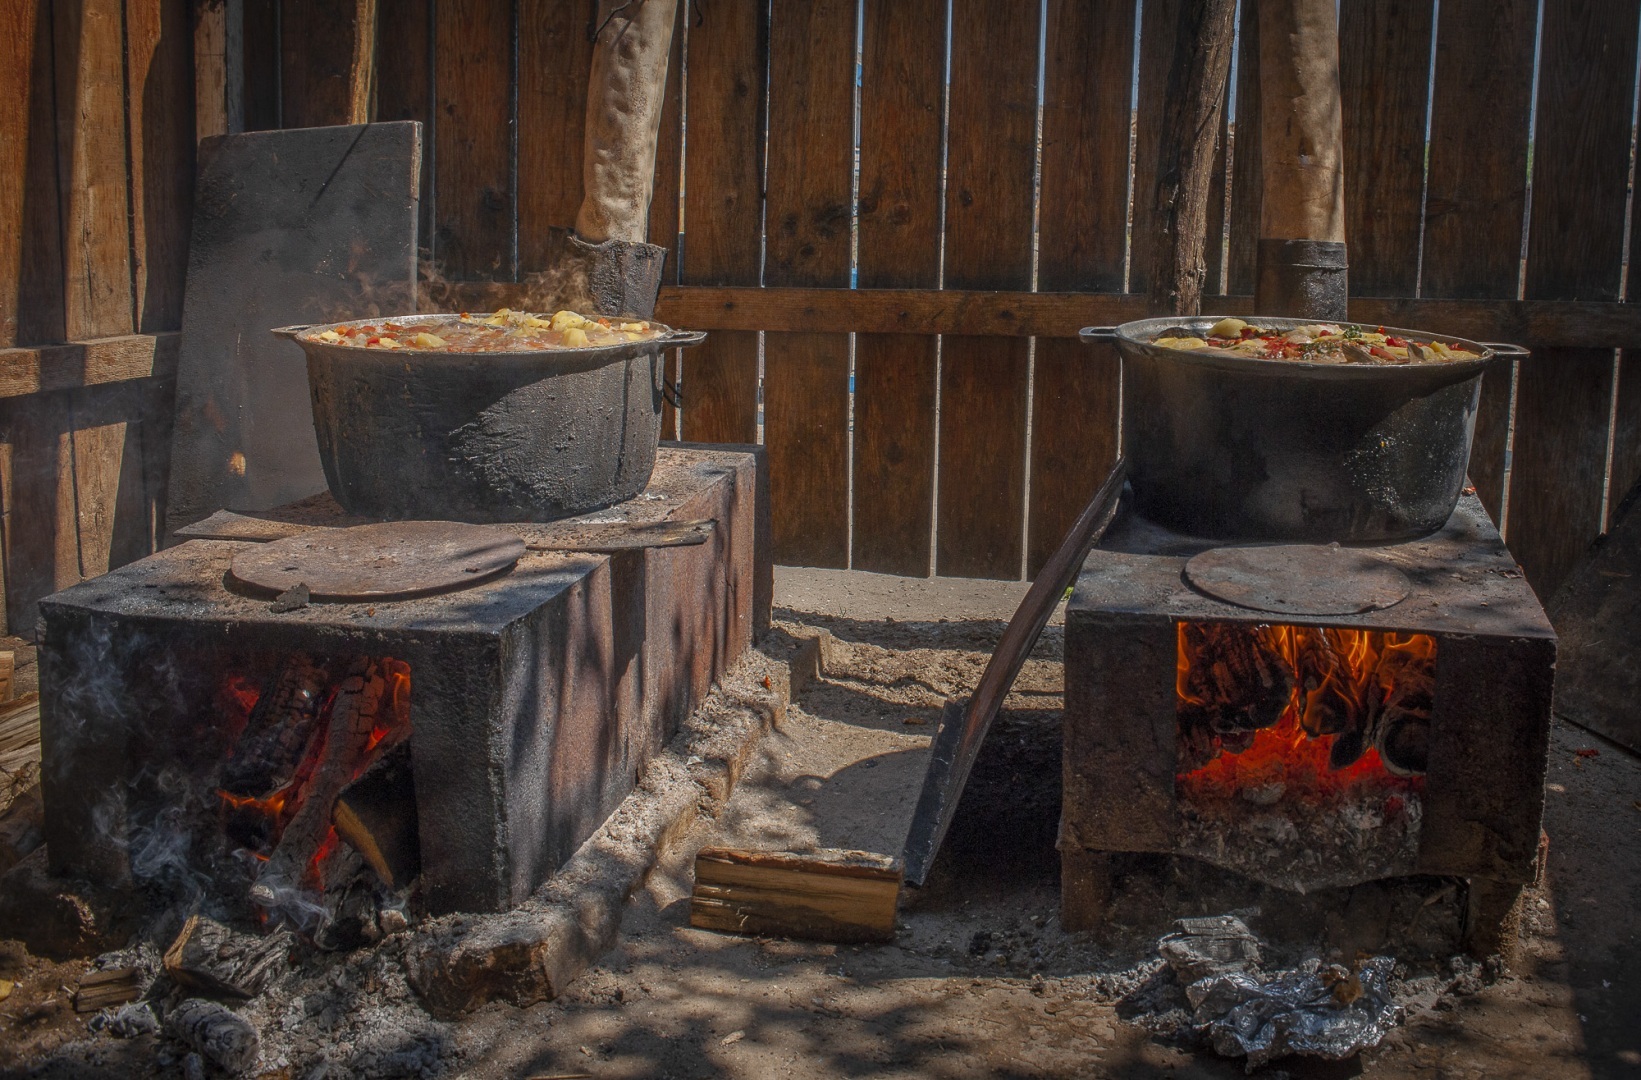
{"type": "Point", "coordinates": [531, 435]}
{"type": "Point", "coordinates": [1236, 448]}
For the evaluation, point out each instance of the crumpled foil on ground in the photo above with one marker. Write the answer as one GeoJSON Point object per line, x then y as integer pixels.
{"type": "Point", "coordinates": [1326, 1012]}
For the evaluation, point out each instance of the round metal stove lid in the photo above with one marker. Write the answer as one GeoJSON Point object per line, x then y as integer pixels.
{"type": "Point", "coordinates": [1298, 579]}
{"type": "Point", "coordinates": [393, 558]}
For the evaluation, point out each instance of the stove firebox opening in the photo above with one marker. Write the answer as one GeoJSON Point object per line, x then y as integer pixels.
{"type": "Point", "coordinates": [1316, 738]}
{"type": "Point", "coordinates": [314, 745]}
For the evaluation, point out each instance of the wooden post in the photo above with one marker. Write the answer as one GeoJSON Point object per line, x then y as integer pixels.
{"type": "Point", "coordinates": [362, 71]}
{"type": "Point", "coordinates": [625, 92]}
{"type": "Point", "coordinates": [1185, 157]}
{"type": "Point", "coordinates": [1301, 264]}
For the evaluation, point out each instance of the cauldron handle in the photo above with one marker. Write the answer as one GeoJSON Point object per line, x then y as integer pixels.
{"type": "Point", "coordinates": [682, 339]}
{"type": "Point", "coordinates": [1504, 351]}
{"type": "Point", "coordinates": [290, 331]}
{"type": "Point", "coordinates": [1092, 334]}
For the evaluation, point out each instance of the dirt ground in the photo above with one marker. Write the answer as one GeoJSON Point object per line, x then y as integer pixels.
{"type": "Point", "coordinates": [980, 980]}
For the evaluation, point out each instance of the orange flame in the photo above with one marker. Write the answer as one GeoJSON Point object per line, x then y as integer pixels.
{"type": "Point", "coordinates": [1340, 680]}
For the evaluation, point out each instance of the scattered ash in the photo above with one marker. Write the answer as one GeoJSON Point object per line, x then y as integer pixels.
{"type": "Point", "coordinates": [331, 1016]}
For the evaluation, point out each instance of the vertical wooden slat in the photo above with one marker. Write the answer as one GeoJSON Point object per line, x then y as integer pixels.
{"type": "Point", "coordinates": [669, 155]}
{"type": "Point", "coordinates": [473, 230]}
{"type": "Point", "coordinates": [31, 262]}
{"type": "Point", "coordinates": [723, 214]}
{"type": "Point", "coordinates": [317, 52]}
{"type": "Point", "coordinates": [6, 522]}
{"type": "Point", "coordinates": [990, 157]}
{"type": "Point", "coordinates": [219, 54]}
{"type": "Point", "coordinates": [91, 167]}
{"type": "Point", "coordinates": [110, 509]}
{"type": "Point", "coordinates": [1158, 20]}
{"type": "Point", "coordinates": [404, 87]}
{"type": "Point", "coordinates": [1626, 468]}
{"type": "Point", "coordinates": [260, 49]}
{"type": "Point", "coordinates": [1383, 86]}
{"type": "Point", "coordinates": [1574, 251]}
{"type": "Point", "coordinates": [1247, 172]}
{"type": "Point", "coordinates": [42, 537]}
{"type": "Point", "coordinates": [1084, 208]}
{"type": "Point", "coordinates": [1477, 189]}
{"type": "Point", "coordinates": [1214, 285]}
{"type": "Point", "coordinates": [161, 116]}
{"type": "Point", "coordinates": [904, 43]}
{"type": "Point", "coordinates": [808, 211]}
{"type": "Point", "coordinates": [555, 55]}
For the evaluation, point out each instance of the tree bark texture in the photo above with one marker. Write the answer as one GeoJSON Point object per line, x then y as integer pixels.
{"type": "Point", "coordinates": [1196, 94]}
{"type": "Point", "coordinates": [625, 92]}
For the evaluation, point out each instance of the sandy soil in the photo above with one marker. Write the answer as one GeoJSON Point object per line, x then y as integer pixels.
{"type": "Point", "coordinates": [980, 980]}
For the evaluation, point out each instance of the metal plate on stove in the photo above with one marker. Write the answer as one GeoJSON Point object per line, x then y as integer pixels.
{"type": "Point", "coordinates": [394, 558]}
{"type": "Point", "coordinates": [1298, 579]}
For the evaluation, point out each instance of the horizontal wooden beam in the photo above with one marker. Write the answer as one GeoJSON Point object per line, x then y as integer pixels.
{"type": "Point", "coordinates": [1061, 314]}
{"type": "Point", "coordinates": [87, 363]}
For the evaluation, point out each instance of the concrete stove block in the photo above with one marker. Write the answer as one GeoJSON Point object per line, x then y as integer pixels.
{"type": "Point", "coordinates": [536, 697]}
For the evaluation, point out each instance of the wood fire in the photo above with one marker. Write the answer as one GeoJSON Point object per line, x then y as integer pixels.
{"type": "Point", "coordinates": [312, 729]}
{"type": "Point", "coordinates": [1315, 710]}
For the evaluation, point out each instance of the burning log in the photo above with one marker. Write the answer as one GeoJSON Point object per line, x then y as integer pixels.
{"type": "Point", "coordinates": [219, 1035]}
{"type": "Point", "coordinates": [1233, 681]}
{"type": "Point", "coordinates": [376, 816]}
{"type": "Point", "coordinates": [1323, 675]}
{"type": "Point", "coordinates": [275, 743]}
{"type": "Point", "coordinates": [359, 724]}
{"type": "Point", "coordinates": [209, 957]}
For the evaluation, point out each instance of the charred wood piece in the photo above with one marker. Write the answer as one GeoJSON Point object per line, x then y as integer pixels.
{"type": "Point", "coordinates": [376, 816]}
{"type": "Point", "coordinates": [217, 1034]}
{"type": "Point", "coordinates": [280, 729]}
{"type": "Point", "coordinates": [212, 959]}
{"type": "Point", "coordinates": [1238, 682]}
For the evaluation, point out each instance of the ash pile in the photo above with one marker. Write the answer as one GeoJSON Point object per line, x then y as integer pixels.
{"type": "Point", "coordinates": [222, 1003]}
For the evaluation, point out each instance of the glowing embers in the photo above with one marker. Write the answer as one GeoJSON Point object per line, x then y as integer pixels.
{"type": "Point", "coordinates": [300, 738]}
{"type": "Point", "coordinates": [1334, 705]}
{"type": "Point", "coordinates": [1301, 750]}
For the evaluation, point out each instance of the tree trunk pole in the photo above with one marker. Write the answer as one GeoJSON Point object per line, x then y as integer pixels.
{"type": "Point", "coordinates": [625, 92]}
{"type": "Point", "coordinates": [1196, 93]}
{"type": "Point", "coordinates": [1301, 264]}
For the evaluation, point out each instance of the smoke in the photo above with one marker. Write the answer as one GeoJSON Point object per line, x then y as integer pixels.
{"type": "Point", "coordinates": [563, 285]}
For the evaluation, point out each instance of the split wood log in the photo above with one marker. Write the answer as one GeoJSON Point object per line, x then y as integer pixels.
{"type": "Point", "coordinates": [22, 827]}
{"type": "Point", "coordinates": [1301, 251]}
{"type": "Point", "coordinates": [8, 672]}
{"type": "Point", "coordinates": [358, 703]}
{"type": "Point", "coordinates": [376, 816]}
{"type": "Point", "coordinates": [1185, 155]}
{"type": "Point", "coordinates": [625, 92]}
{"type": "Point", "coordinates": [210, 958]}
{"type": "Point", "coordinates": [217, 1034]}
{"type": "Point", "coordinates": [99, 990]}
{"type": "Point", "coordinates": [823, 895]}
{"type": "Point", "coordinates": [19, 748]}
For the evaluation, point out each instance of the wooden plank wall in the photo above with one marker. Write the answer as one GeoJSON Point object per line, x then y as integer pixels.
{"type": "Point", "coordinates": [829, 150]}
{"type": "Point", "coordinates": [96, 173]}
